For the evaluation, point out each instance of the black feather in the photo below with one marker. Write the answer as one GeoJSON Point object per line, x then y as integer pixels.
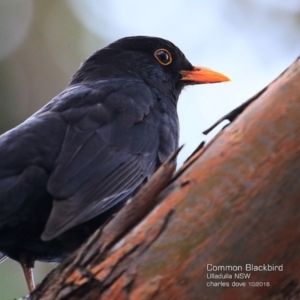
{"type": "Point", "coordinates": [67, 169]}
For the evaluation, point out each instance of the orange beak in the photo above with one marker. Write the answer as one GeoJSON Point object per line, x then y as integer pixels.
{"type": "Point", "coordinates": [203, 75]}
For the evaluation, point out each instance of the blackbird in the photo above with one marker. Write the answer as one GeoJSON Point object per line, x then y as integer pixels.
{"type": "Point", "coordinates": [69, 167]}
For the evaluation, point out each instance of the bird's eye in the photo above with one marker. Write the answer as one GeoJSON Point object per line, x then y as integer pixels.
{"type": "Point", "coordinates": [163, 56]}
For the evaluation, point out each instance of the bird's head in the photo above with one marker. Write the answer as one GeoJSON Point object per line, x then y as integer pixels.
{"type": "Point", "coordinates": [156, 61]}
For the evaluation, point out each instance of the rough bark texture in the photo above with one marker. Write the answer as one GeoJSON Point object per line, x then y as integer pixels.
{"type": "Point", "coordinates": [235, 203]}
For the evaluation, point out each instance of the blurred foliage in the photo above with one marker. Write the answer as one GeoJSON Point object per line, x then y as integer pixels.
{"type": "Point", "coordinates": [43, 42]}
{"type": "Point", "coordinates": [41, 66]}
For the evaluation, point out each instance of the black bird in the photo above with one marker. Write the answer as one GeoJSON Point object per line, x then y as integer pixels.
{"type": "Point", "coordinates": [72, 165]}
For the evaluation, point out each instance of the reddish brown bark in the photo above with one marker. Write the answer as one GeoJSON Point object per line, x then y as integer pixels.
{"type": "Point", "coordinates": [237, 203]}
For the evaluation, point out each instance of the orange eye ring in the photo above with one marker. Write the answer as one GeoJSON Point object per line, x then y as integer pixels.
{"type": "Point", "coordinates": [163, 56]}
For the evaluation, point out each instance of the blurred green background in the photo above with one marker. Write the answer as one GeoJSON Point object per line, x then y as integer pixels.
{"type": "Point", "coordinates": [43, 42]}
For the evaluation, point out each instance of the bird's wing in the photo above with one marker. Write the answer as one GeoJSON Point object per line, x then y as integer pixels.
{"type": "Point", "coordinates": [110, 147]}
